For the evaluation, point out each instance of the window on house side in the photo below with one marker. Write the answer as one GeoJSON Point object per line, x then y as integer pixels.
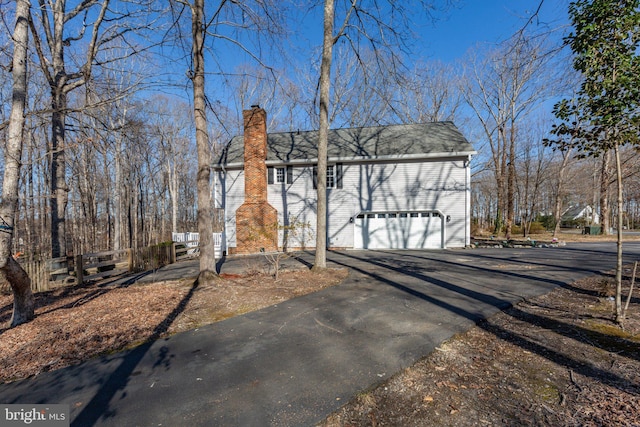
{"type": "Point", "coordinates": [330, 177]}
{"type": "Point", "coordinates": [289, 174]}
{"type": "Point", "coordinates": [280, 175]}
{"type": "Point", "coordinates": [334, 176]}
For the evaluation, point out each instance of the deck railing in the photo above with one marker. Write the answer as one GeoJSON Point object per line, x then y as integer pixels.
{"type": "Point", "coordinates": [51, 273]}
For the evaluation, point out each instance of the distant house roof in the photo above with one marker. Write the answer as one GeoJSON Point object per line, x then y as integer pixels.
{"type": "Point", "coordinates": [414, 141]}
{"type": "Point", "coordinates": [574, 213]}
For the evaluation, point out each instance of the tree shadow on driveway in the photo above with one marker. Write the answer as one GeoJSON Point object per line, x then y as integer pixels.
{"type": "Point", "coordinates": [99, 406]}
{"type": "Point", "coordinates": [604, 341]}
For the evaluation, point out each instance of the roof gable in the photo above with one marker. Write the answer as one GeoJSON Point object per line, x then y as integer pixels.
{"type": "Point", "coordinates": [365, 143]}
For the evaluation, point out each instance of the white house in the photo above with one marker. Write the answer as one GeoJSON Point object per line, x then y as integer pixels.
{"type": "Point", "coordinates": [398, 186]}
{"type": "Point", "coordinates": [584, 213]}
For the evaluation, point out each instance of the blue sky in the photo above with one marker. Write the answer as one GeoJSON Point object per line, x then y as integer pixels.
{"type": "Point", "coordinates": [454, 32]}
{"type": "Point", "coordinates": [485, 21]}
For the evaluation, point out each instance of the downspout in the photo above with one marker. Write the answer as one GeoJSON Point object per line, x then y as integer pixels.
{"type": "Point", "coordinates": [467, 201]}
{"type": "Point", "coordinates": [215, 202]}
{"type": "Point", "coordinates": [223, 189]}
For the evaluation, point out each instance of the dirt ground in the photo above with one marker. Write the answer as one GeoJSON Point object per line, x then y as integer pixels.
{"type": "Point", "coordinates": [553, 360]}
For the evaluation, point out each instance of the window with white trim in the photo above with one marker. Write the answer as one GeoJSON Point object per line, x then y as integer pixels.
{"type": "Point", "coordinates": [280, 175]}
{"type": "Point", "coordinates": [334, 176]}
{"type": "Point", "coordinates": [330, 177]}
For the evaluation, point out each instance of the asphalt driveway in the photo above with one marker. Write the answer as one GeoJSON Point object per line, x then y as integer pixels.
{"type": "Point", "coordinates": [294, 363]}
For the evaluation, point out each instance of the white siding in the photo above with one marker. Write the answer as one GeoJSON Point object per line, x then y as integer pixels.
{"type": "Point", "coordinates": [400, 187]}
{"type": "Point", "coordinates": [229, 193]}
{"type": "Point", "coordinates": [296, 205]}
{"type": "Point", "coordinates": [417, 186]}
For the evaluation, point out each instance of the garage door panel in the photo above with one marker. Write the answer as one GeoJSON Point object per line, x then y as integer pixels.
{"type": "Point", "coordinates": [405, 230]}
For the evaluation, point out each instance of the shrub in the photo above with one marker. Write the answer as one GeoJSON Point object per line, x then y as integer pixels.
{"type": "Point", "coordinates": [547, 221]}
{"type": "Point", "coordinates": [537, 228]}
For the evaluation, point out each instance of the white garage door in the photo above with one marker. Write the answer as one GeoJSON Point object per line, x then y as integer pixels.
{"type": "Point", "coordinates": [398, 230]}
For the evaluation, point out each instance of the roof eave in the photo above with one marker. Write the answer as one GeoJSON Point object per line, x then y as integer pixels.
{"type": "Point", "coordinates": [358, 159]}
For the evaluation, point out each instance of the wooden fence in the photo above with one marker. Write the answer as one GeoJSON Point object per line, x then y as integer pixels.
{"type": "Point", "coordinates": [38, 272]}
{"type": "Point", "coordinates": [52, 273]}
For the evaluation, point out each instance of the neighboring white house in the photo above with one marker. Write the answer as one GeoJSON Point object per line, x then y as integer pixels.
{"type": "Point", "coordinates": [398, 186]}
{"type": "Point", "coordinates": [584, 213]}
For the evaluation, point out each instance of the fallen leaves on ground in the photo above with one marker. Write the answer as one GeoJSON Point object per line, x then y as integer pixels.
{"type": "Point", "coordinates": [76, 323]}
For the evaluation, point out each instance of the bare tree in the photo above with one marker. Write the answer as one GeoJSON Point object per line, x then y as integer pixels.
{"type": "Point", "coordinates": [55, 39]}
{"type": "Point", "coordinates": [106, 123]}
{"type": "Point", "coordinates": [364, 88]}
{"type": "Point", "coordinates": [170, 128]}
{"type": "Point", "coordinates": [205, 215]}
{"type": "Point", "coordinates": [329, 40]}
{"type": "Point", "coordinates": [381, 27]}
{"type": "Point", "coordinates": [534, 162]}
{"type": "Point", "coordinates": [203, 181]}
{"type": "Point", "coordinates": [566, 140]}
{"type": "Point", "coordinates": [501, 89]}
{"type": "Point", "coordinates": [429, 93]}
{"type": "Point", "coordinates": [10, 270]}
{"type": "Point", "coordinates": [561, 189]}
{"type": "Point", "coordinates": [251, 17]}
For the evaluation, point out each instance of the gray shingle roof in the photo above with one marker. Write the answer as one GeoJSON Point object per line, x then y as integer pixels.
{"type": "Point", "coordinates": [575, 212]}
{"type": "Point", "coordinates": [366, 143]}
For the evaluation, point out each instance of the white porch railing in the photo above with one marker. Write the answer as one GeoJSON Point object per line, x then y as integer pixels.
{"type": "Point", "coordinates": [191, 240]}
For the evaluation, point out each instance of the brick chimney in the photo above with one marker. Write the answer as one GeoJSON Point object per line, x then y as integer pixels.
{"type": "Point", "coordinates": [256, 219]}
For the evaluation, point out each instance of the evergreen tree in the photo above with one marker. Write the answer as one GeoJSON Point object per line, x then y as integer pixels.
{"type": "Point", "coordinates": [605, 42]}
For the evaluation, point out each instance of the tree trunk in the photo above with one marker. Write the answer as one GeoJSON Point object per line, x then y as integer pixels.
{"type": "Point", "coordinates": [119, 184]}
{"type": "Point", "coordinates": [10, 270]}
{"type": "Point", "coordinates": [501, 180]}
{"type": "Point", "coordinates": [557, 214]}
{"type": "Point", "coordinates": [619, 312]}
{"type": "Point", "coordinates": [52, 41]}
{"type": "Point", "coordinates": [605, 177]}
{"type": "Point", "coordinates": [173, 194]}
{"type": "Point", "coordinates": [511, 183]}
{"type": "Point", "coordinates": [524, 203]}
{"type": "Point", "coordinates": [58, 203]}
{"type": "Point", "coordinates": [320, 261]}
{"type": "Point", "coordinates": [23, 303]}
{"type": "Point", "coordinates": [205, 217]}
{"type": "Point", "coordinates": [118, 205]}
{"type": "Point", "coordinates": [30, 203]}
